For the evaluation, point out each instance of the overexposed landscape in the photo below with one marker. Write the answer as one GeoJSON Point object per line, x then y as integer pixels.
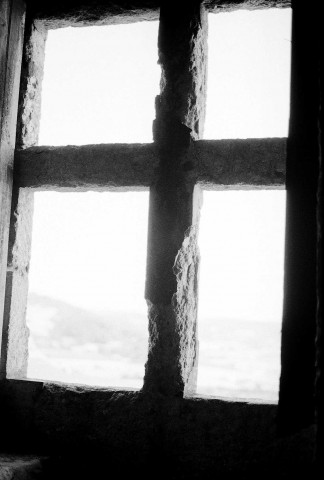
{"type": "Point", "coordinates": [86, 309]}
{"type": "Point", "coordinates": [70, 344]}
{"type": "Point", "coordinates": [241, 359]}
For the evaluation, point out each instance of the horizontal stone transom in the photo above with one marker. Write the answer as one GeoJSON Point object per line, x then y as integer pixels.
{"type": "Point", "coordinates": [215, 164]}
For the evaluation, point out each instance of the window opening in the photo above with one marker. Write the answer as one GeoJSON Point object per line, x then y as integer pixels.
{"type": "Point", "coordinates": [83, 134]}
{"type": "Point", "coordinates": [99, 84]}
{"type": "Point", "coordinates": [86, 310]}
{"type": "Point", "coordinates": [248, 74]}
{"type": "Point", "coordinates": [241, 241]}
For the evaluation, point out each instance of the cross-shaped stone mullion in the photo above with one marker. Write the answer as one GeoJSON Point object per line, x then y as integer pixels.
{"type": "Point", "coordinates": [173, 259]}
{"type": "Point", "coordinates": [173, 167]}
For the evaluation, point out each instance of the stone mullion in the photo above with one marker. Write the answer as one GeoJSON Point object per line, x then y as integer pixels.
{"type": "Point", "coordinates": [172, 266]}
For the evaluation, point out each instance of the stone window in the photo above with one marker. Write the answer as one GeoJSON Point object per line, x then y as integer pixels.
{"type": "Point", "coordinates": [164, 423]}
{"type": "Point", "coordinates": [65, 124]}
{"type": "Point", "coordinates": [176, 166]}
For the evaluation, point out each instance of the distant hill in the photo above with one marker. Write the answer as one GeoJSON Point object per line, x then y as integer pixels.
{"type": "Point", "coordinates": [236, 358]}
{"type": "Point", "coordinates": [81, 326]}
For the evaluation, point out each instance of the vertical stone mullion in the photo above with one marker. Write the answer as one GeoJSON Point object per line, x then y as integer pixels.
{"type": "Point", "coordinates": [14, 361]}
{"type": "Point", "coordinates": [172, 267]}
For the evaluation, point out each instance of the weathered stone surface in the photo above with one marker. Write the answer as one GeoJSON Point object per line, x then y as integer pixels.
{"type": "Point", "coordinates": [253, 163]}
{"type": "Point", "coordinates": [14, 467]}
{"type": "Point", "coordinates": [93, 12]}
{"type": "Point", "coordinates": [185, 301]}
{"type": "Point", "coordinates": [16, 332]}
{"type": "Point", "coordinates": [183, 60]}
{"type": "Point", "coordinates": [219, 6]}
{"type": "Point", "coordinates": [172, 264]}
{"type": "Point", "coordinates": [172, 336]}
{"type": "Point", "coordinates": [87, 167]}
{"type": "Point", "coordinates": [15, 355]}
{"type": "Point", "coordinates": [102, 12]}
{"type": "Point", "coordinates": [214, 164]}
{"type": "Point", "coordinates": [12, 18]}
{"type": "Point", "coordinates": [31, 84]}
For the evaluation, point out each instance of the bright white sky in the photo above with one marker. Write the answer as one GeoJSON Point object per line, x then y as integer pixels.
{"type": "Point", "coordinates": [98, 88]}
{"type": "Point", "coordinates": [241, 239]}
{"type": "Point", "coordinates": [89, 249]}
{"type": "Point", "coordinates": [248, 74]}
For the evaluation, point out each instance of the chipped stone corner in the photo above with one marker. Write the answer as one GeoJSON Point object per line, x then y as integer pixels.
{"type": "Point", "coordinates": [163, 368]}
{"type": "Point", "coordinates": [185, 300]}
{"type": "Point", "coordinates": [185, 305]}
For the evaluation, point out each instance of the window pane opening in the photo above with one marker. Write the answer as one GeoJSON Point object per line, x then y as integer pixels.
{"type": "Point", "coordinates": [100, 84]}
{"type": "Point", "coordinates": [86, 310]}
{"type": "Point", "coordinates": [241, 241]}
{"type": "Point", "coordinates": [248, 87]}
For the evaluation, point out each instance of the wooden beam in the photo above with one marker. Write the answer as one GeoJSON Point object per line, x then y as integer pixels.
{"type": "Point", "coordinates": [212, 163]}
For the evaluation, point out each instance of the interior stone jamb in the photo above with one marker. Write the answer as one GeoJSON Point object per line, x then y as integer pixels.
{"type": "Point", "coordinates": [12, 15]}
{"type": "Point", "coordinates": [296, 392]}
{"type": "Point", "coordinates": [22, 206]}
